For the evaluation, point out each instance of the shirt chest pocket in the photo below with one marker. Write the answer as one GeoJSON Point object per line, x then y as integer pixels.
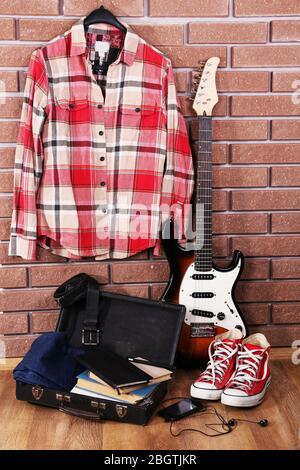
{"type": "Point", "coordinates": [138, 116]}
{"type": "Point", "coordinates": [73, 118]}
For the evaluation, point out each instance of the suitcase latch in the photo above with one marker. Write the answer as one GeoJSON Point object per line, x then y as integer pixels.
{"type": "Point", "coordinates": [37, 392]}
{"type": "Point", "coordinates": [63, 398]}
{"type": "Point", "coordinates": [98, 406]}
{"type": "Point", "coordinates": [121, 411]}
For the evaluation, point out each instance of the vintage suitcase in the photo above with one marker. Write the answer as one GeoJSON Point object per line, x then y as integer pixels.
{"type": "Point", "coordinates": [93, 408]}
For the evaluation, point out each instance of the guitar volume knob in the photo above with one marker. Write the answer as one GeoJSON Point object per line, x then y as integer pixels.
{"type": "Point", "coordinates": [221, 316]}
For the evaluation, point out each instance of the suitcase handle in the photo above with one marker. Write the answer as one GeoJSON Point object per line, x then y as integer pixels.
{"type": "Point", "coordinates": [80, 414]}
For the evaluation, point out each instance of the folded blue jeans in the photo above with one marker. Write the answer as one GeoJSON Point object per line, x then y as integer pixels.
{"type": "Point", "coordinates": [50, 363]}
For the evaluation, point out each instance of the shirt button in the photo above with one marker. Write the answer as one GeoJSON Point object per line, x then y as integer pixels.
{"type": "Point", "coordinates": [100, 106]}
{"type": "Point", "coordinates": [102, 159]}
{"type": "Point", "coordinates": [101, 132]}
{"type": "Point", "coordinates": [104, 211]}
{"type": "Point", "coordinates": [137, 110]}
{"type": "Point", "coordinates": [102, 183]}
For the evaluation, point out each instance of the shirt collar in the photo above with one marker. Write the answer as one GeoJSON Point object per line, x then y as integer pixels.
{"type": "Point", "coordinates": [78, 42]}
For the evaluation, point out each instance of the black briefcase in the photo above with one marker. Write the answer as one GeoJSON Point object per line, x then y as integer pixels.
{"type": "Point", "coordinates": [92, 408]}
{"type": "Point", "coordinates": [128, 326]}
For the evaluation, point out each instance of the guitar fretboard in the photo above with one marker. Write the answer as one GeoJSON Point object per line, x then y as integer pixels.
{"type": "Point", "coordinates": [203, 243]}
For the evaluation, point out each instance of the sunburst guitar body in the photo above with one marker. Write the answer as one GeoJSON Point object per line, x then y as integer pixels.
{"type": "Point", "coordinates": [207, 291]}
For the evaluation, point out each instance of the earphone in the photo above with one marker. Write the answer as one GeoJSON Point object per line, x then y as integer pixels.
{"type": "Point", "coordinates": [233, 421]}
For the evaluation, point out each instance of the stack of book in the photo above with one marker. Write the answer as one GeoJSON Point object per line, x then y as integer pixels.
{"type": "Point", "coordinates": [109, 376]}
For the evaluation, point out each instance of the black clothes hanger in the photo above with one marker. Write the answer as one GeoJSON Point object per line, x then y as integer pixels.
{"type": "Point", "coordinates": [102, 15]}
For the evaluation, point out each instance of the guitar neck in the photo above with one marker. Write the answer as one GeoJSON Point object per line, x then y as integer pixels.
{"type": "Point", "coordinates": [203, 246]}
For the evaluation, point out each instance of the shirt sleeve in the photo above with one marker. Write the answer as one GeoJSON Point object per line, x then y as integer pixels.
{"type": "Point", "coordinates": [29, 161]}
{"type": "Point", "coordinates": [178, 179]}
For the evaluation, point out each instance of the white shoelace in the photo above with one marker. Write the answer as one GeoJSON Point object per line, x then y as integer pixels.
{"type": "Point", "coordinates": [246, 369]}
{"type": "Point", "coordinates": [218, 360]}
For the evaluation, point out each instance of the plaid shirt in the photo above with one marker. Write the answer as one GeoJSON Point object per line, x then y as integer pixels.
{"type": "Point", "coordinates": [100, 156]}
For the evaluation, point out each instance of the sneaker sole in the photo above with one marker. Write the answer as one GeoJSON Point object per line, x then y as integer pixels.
{"type": "Point", "coordinates": [245, 402]}
{"type": "Point", "coordinates": [205, 394]}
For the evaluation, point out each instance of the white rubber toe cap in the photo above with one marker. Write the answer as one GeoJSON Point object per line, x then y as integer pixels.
{"type": "Point", "coordinates": [233, 392]}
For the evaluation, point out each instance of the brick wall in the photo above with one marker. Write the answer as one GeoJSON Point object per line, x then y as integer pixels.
{"type": "Point", "coordinates": [256, 153]}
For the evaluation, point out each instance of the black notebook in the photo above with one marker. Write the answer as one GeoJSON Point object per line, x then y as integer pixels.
{"type": "Point", "coordinates": [112, 368]}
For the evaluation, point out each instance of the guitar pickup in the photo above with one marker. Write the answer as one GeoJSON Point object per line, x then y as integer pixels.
{"type": "Point", "coordinates": [202, 295]}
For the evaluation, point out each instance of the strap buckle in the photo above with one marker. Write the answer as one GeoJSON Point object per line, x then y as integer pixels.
{"type": "Point", "coordinates": [90, 337]}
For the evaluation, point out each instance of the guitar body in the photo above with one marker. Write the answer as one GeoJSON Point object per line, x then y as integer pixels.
{"type": "Point", "coordinates": [211, 314]}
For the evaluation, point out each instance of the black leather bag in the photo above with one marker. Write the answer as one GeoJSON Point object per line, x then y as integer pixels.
{"type": "Point", "coordinates": [129, 326]}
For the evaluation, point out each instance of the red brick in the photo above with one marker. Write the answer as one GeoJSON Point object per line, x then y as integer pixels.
{"type": "Point", "coordinates": [133, 290]}
{"type": "Point", "coordinates": [286, 223]}
{"type": "Point", "coordinates": [234, 129]}
{"type": "Point", "coordinates": [140, 272]}
{"type": "Point", "coordinates": [255, 269]}
{"type": "Point", "coordinates": [18, 346]}
{"type": "Point", "coordinates": [19, 7]}
{"type": "Point", "coordinates": [7, 28]}
{"type": "Point", "coordinates": [12, 277]}
{"type": "Point", "coordinates": [43, 322]}
{"type": "Point", "coordinates": [265, 56]}
{"type": "Point", "coordinates": [233, 32]}
{"type": "Point", "coordinates": [5, 206]}
{"type": "Point", "coordinates": [8, 131]}
{"type": "Point", "coordinates": [7, 157]}
{"type": "Point", "coordinates": [43, 256]}
{"type": "Point", "coordinates": [6, 182]}
{"type": "Point", "coordinates": [267, 246]}
{"type": "Point", "coordinates": [200, 8]}
{"type": "Point", "coordinates": [29, 299]}
{"type": "Point", "coordinates": [11, 107]}
{"type": "Point", "coordinates": [189, 56]}
{"type": "Point", "coordinates": [285, 30]}
{"type": "Point", "coordinates": [242, 81]}
{"type": "Point", "coordinates": [220, 246]}
{"type": "Point", "coordinates": [255, 314]}
{"type": "Point", "coordinates": [157, 291]}
{"type": "Point", "coordinates": [15, 55]}
{"type": "Point", "coordinates": [219, 110]}
{"type": "Point", "coordinates": [286, 268]}
{"type": "Point", "coordinates": [56, 275]}
{"type": "Point", "coordinates": [8, 82]}
{"type": "Point", "coordinates": [284, 130]}
{"type": "Point", "coordinates": [167, 34]}
{"type": "Point", "coordinates": [219, 200]}
{"type": "Point", "coordinates": [281, 335]}
{"type": "Point", "coordinates": [13, 323]}
{"type": "Point", "coordinates": [251, 291]}
{"type": "Point", "coordinates": [264, 153]}
{"type": "Point", "coordinates": [275, 105]}
{"type": "Point", "coordinates": [118, 7]}
{"type": "Point", "coordinates": [285, 313]}
{"type": "Point", "coordinates": [286, 176]}
{"type": "Point", "coordinates": [238, 177]}
{"type": "Point", "coordinates": [239, 223]}
{"type": "Point", "coordinates": [5, 229]}
{"type": "Point", "coordinates": [265, 200]}
{"type": "Point", "coordinates": [42, 30]}
{"type": "Point", "coordinates": [181, 81]}
{"type": "Point", "coordinates": [266, 7]}
{"type": "Point", "coordinates": [283, 81]}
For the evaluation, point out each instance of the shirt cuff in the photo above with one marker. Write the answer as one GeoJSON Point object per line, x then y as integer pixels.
{"type": "Point", "coordinates": [19, 246]}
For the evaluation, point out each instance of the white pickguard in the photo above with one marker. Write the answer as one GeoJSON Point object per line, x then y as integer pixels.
{"type": "Point", "coordinates": [221, 302]}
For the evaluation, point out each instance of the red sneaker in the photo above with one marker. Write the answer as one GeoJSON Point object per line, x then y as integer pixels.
{"type": "Point", "coordinates": [222, 359]}
{"type": "Point", "coordinates": [252, 377]}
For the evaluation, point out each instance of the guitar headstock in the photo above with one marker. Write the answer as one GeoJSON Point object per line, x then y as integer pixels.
{"type": "Point", "coordinates": [206, 93]}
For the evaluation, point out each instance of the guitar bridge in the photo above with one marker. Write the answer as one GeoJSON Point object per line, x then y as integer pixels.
{"type": "Point", "coordinates": [202, 330]}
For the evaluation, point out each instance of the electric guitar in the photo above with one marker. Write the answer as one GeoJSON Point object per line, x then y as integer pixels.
{"type": "Point", "coordinates": [207, 291]}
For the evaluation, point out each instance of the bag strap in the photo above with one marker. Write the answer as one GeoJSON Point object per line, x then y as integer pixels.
{"type": "Point", "coordinates": [72, 290]}
{"type": "Point", "coordinates": [79, 287]}
{"type": "Point", "coordinates": [90, 332]}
